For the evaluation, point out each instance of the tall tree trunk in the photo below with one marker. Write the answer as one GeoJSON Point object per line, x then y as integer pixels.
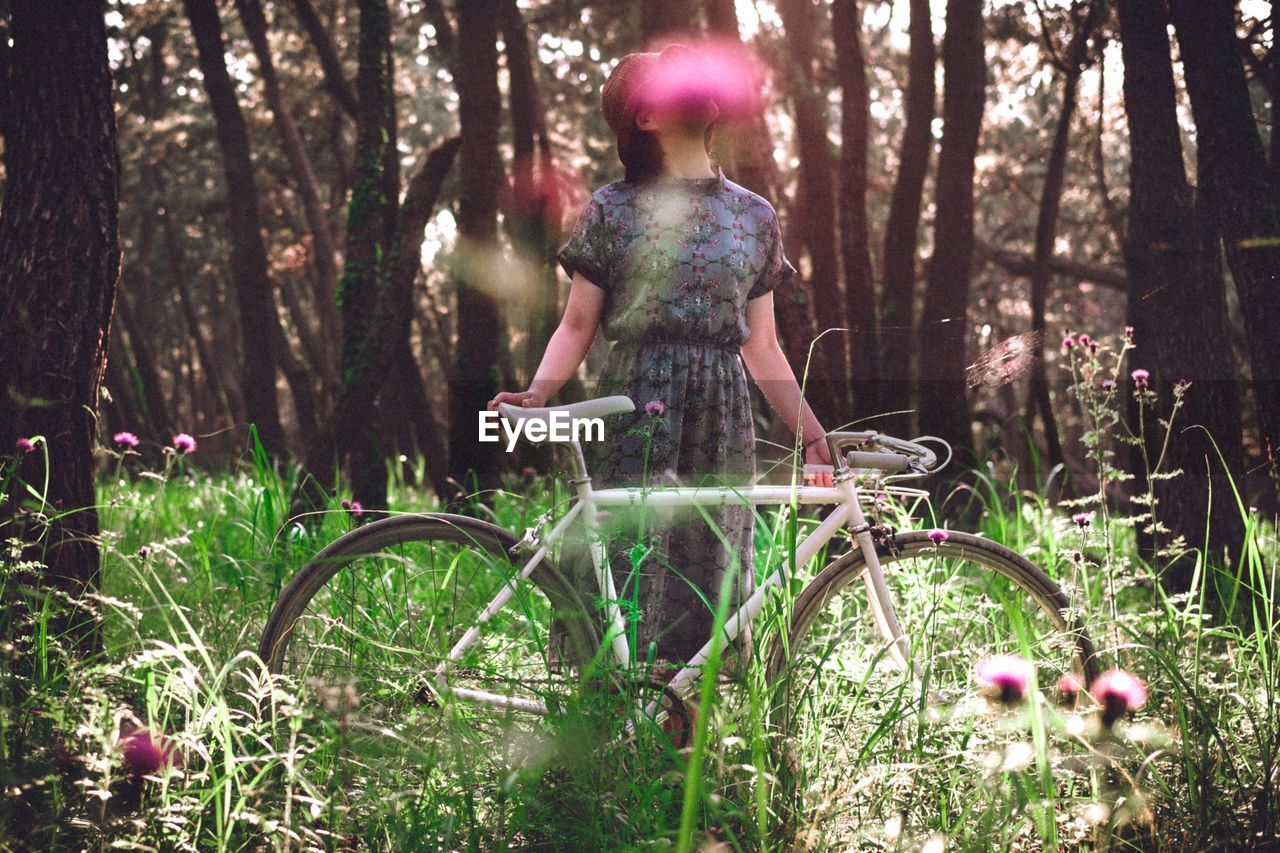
{"type": "Point", "coordinates": [1177, 305]}
{"type": "Point", "coordinates": [474, 379]}
{"type": "Point", "coordinates": [323, 248]}
{"type": "Point", "coordinates": [248, 253]}
{"type": "Point", "coordinates": [1047, 225]}
{"type": "Point", "coordinates": [944, 406]}
{"type": "Point", "coordinates": [826, 386]}
{"type": "Point", "coordinates": [670, 19]}
{"type": "Point", "coordinates": [855, 240]}
{"type": "Point", "coordinates": [1237, 185]}
{"type": "Point", "coordinates": [154, 408]}
{"type": "Point", "coordinates": [59, 262]}
{"type": "Point", "coordinates": [896, 331]}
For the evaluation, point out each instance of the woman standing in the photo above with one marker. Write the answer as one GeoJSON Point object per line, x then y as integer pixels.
{"type": "Point", "coordinates": [676, 264]}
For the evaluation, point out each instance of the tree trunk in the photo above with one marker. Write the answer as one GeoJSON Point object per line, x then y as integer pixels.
{"type": "Point", "coordinates": [1237, 186]}
{"type": "Point", "coordinates": [855, 241]}
{"type": "Point", "coordinates": [1047, 228]}
{"type": "Point", "coordinates": [896, 332]}
{"type": "Point", "coordinates": [944, 406]}
{"type": "Point", "coordinates": [828, 375]}
{"type": "Point", "coordinates": [322, 242]}
{"type": "Point", "coordinates": [59, 262]}
{"type": "Point", "coordinates": [1177, 307]}
{"type": "Point", "coordinates": [248, 253]}
{"type": "Point", "coordinates": [670, 19]}
{"type": "Point", "coordinates": [474, 379]}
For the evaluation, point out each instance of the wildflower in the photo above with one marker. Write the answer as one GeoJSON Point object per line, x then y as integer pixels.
{"type": "Point", "coordinates": [1118, 691]}
{"type": "Point", "coordinates": [144, 551]}
{"type": "Point", "coordinates": [356, 509]}
{"type": "Point", "coordinates": [655, 407]}
{"type": "Point", "coordinates": [1084, 340]}
{"type": "Point", "coordinates": [937, 536]}
{"type": "Point", "coordinates": [346, 504]}
{"type": "Point", "coordinates": [1069, 687]}
{"type": "Point", "coordinates": [184, 443]}
{"type": "Point", "coordinates": [26, 445]}
{"type": "Point", "coordinates": [1108, 385]}
{"type": "Point", "coordinates": [145, 753]}
{"type": "Point", "coordinates": [529, 472]}
{"type": "Point", "coordinates": [1082, 519]}
{"type": "Point", "coordinates": [1068, 342]}
{"type": "Point", "coordinates": [1128, 330]}
{"type": "Point", "coordinates": [125, 439]}
{"type": "Point", "coordinates": [1140, 377]}
{"type": "Point", "coordinates": [1005, 678]}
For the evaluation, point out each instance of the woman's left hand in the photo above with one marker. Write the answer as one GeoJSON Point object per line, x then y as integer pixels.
{"type": "Point", "coordinates": [819, 454]}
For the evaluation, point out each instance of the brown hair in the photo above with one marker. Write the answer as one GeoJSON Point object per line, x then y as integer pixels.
{"type": "Point", "coordinates": [644, 161]}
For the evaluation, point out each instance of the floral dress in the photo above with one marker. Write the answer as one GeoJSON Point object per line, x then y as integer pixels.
{"type": "Point", "coordinates": [678, 259]}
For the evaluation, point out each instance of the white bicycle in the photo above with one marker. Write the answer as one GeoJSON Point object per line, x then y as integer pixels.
{"type": "Point", "coordinates": [435, 619]}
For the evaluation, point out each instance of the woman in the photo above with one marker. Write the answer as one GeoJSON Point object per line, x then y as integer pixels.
{"type": "Point", "coordinates": [676, 264]}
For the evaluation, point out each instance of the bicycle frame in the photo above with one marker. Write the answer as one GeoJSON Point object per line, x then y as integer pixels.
{"type": "Point", "coordinates": [848, 512]}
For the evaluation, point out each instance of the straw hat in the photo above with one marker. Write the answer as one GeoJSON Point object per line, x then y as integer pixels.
{"type": "Point", "coordinates": [630, 81]}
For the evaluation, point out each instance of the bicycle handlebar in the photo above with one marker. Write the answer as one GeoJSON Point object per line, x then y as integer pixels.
{"type": "Point", "coordinates": [900, 457]}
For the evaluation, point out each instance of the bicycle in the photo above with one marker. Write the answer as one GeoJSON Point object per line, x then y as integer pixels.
{"type": "Point", "coordinates": [443, 617]}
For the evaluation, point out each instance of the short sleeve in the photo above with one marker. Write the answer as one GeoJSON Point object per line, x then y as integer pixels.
{"type": "Point", "coordinates": [586, 248]}
{"type": "Point", "coordinates": [777, 269]}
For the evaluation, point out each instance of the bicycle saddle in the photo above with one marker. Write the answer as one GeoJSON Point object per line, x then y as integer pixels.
{"type": "Point", "coordinates": [598, 407]}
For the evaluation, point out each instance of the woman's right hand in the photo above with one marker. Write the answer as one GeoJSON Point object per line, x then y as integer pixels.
{"type": "Point", "coordinates": [525, 399]}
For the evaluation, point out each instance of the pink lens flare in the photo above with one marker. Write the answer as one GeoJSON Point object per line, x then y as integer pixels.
{"type": "Point", "coordinates": [722, 70]}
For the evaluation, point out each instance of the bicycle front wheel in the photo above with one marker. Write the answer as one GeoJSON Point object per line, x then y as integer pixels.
{"type": "Point", "coordinates": [361, 630]}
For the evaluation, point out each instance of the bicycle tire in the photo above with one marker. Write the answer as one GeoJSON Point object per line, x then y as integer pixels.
{"type": "Point", "coordinates": [401, 590]}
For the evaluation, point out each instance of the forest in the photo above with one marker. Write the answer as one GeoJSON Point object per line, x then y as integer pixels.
{"type": "Point", "coordinates": [263, 262]}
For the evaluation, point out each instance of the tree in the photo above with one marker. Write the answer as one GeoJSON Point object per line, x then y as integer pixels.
{"type": "Point", "coordinates": [258, 321]}
{"type": "Point", "coordinates": [944, 405]}
{"type": "Point", "coordinates": [1177, 305]}
{"type": "Point", "coordinates": [1237, 186]}
{"type": "Point", "coordinates": [59, 262]}
{"type": "Point", "coordinates": [896, 330]}
{"type": "Point", "coordinates": [474, 377]}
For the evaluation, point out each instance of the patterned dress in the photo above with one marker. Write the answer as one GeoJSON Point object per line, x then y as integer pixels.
{"type": "Point", "coordinates": [678, 259]}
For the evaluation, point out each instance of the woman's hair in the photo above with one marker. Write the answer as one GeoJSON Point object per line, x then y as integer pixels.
{"type": "Point", "coordinates": [644, 160]}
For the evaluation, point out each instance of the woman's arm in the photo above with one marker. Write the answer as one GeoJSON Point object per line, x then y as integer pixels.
{"type": "Point", "coordinates": [769, 367]}
{"type": "Point", "coordinates": [567, 347]}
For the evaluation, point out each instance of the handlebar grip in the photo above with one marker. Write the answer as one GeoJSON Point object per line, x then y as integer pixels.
{"type": "Point", "coordinates": [893, 462]}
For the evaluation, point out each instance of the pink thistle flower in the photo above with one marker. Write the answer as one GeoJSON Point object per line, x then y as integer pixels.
{"type": "Point", "coordinates": [529, 471]}
{"type": "Point", "coordinates": [655, 407]}
{"type": "Point", "coordinates": [1005, 678]}
{"type": "Point", "coordinates": [1068, 342]}
{"type": "Point", "coordinates": [184, 443]}
{"type": "Point", "coordinates": [1082, 519]}
{"type": "Point", "coordinates": [346, 504]}
{"type": "Point", "coordinates": [1069, 688]}
{"type": "Point", "coordinates": [937, 536]}
{"type": "Point", "coordinates": [1084, 340]}
{"type": "Point", "coordinates": [356, 509]}
{"type": "Point", "coordinates": [1128, 330]}
{"type": "Point", "coordinates": [125, 439]}
{"type": "Point", "coordinates": [26, 445]}
{"type": "Point", "coordinates": [1108, 384]}
{"type": "Point", "coordinates": [144, 551]}
{"type": "Point", "coordinates": [145, 753]}
{"type": "Point", "coordinates": [1118, 691]}
{"type": "Point", "coordinates": [1140, 377]}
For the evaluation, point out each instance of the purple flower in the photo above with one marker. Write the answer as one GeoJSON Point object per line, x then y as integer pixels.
{"type": "Point", "coordinates": [145, 753]}
{"type": "Point", "coordinates": [655, 407]}
{"type": "Point", "coordinates": [346, 504]}
{"type": "Point", "coordinates": [1068, 342]}
{"type": "Point", "coordinates": [937, 536]}
{"type": "Point", "coordinates": [1082, 519]}
{"type": "Point", "coordinates": [1128, 330]}
{"type": "Point", "coordinates": [144, 551]}
{"type": "Point", "coordinates": [356, 509]}
{"type": "Point", "coordinates": [1069, 687]}
{"type": "Point", "coordinates": [125, 439]}
{"type": "Point", "coordinates": [184, 443]}
{"type": "Point", "coordinates": [1140, 377]}
{"type": "Point", "coordinates": [1005, 678]}
{"type": "Point", "coordinates": [1118, 691]}
{"type": "Point", "coordinates": [26, 445]}
{"type": "Point", "coordinates": [1108, 384]}
{"type": "Point", "coordinates": [529, 471]}
{"type": "Point", "coordinates": [1084, 340]}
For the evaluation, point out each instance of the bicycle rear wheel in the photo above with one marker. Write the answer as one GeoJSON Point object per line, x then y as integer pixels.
{"type": "Point", "coordinates": [844, 707]}
{"type": "Point", "coordinates": [359, 634]}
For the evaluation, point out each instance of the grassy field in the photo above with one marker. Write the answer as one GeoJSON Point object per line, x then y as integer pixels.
{"type": "Point", "coordinates": [158, 743]}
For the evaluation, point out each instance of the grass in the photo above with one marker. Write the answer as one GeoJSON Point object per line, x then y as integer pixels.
{"type": "Point", "coordinates": [193, 561]}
